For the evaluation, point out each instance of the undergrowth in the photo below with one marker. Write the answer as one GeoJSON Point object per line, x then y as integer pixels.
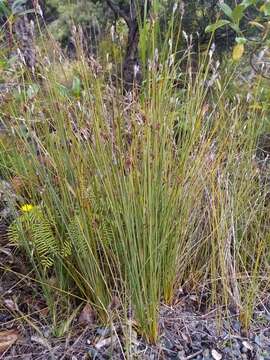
{"type": "Point", "coordinates": [134, 196]}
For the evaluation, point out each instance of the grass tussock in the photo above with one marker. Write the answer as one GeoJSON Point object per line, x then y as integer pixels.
{"type": "Point", "coordinates": [130, 198]}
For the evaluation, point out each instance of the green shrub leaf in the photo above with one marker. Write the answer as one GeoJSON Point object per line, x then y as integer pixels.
{"type": "Point", "coordinates": [226, 9]}
{"type": "Point", "coordinates": [217, 25]}
{"type": "Point", "coordinates": [241, 40]}
{"type": "Point", "coordinates": [238, 13]}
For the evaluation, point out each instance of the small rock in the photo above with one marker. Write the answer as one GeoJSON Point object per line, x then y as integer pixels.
{"type": "Point", "coordinates": [258, 340]}
{"type": "Point", "coordinates": [181, 355]}
{"type": "Point", "coordinates": [236, 353]}
{"type": "Point", "coordinates": [103, 331]}
{"type": "Point", "coordinates": [196, 345]}
{"type": "Point", "coordinates": [93, 353]}
{"type": "Point", "coordinates": [266, 355]}
{"type": "Point", "coordinates": [227, 350]}
{"type": "Point", "coordinates": [237, 326]}
{"type": "Point", "coordinates": [47, 332]}
{"type": "Point", "coordinates": [168, 344]}
{"type": "Point", "coordinates": [216, 355]}
{"type": "Point", "coordinates": [206, 353]}
{"type": "Point", "coordinates": [247, 346]}
{"type": "Point", "coordinates": [236, 345]}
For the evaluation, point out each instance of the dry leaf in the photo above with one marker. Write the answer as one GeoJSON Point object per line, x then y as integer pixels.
{"type": "Point", "coordinates": [205, 109]}
{"type": "Point", "coordinates": [193, 298]}
{"type": "Point", "coordinates": [17, 184]}
{"type": "Point", "coordinates": [10, 304]}
{"type": "Point", "coordinates": [185, 338]}
{"type": "Point", "coordinates": [7, 339]}
{"type": "Point", "coordinates": [87, 315]}
{"type": "Point", "coordinates": [216, 355]}
{"type": "Point", "coordinates": [105, 342]}
{"type": "Point", "coordinates": [115, 303]}
{"type": "Point", "coordinates": [41, 340]}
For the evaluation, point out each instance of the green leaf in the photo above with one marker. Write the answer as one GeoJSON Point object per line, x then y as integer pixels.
{"type": "Point", "coordinates": [235, 27]}
{"type": "Point", "coordinates": [226, 9]}
{"type": "Point", "coordinates": [4, 9]}
{"type": "Point", "coordinates": [217, 25]}
{"type": "Point", "coordinates": [266, 9]}
{"type": "Point", "coordinates": [18, 6]}
{"type": "Point", "coordinates": [30, 11]}
{"type": "Point", "coordinates": [76, 86]}
{"type": "Point", "coordinates": [241, 40]}
{"type": "Point", "coordinates": [247, 3]}
{"type": "Point", "coordinates": [238, 13]}
{"type": "Point", "coordinates": [63, 91]}
{"type": "Point", "coordinates": [3, 64]}
{"type": "Point", "coordinates": [32, 91]}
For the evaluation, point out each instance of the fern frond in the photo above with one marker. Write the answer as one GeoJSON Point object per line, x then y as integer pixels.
{"type": "Point", "coordinates": [106, 232]}
{"type": "Point", "coordinates": [37, 230]}
{"type": "Point", "coordinates": [76, 237]}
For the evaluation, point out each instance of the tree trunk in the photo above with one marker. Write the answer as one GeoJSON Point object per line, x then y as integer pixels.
{"type": "Point", "coordinates": [132, 73]}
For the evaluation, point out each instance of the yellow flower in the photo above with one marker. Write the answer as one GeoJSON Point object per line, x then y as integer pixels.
{"type": "Point", "coordinates": [27, 207]}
